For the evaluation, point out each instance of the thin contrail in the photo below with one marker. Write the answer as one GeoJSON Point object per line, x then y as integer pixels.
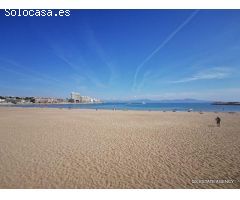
{"type": "Point", "coordinates": [31, 73]}
{"type": "Point", "coordinates": [162, 45]}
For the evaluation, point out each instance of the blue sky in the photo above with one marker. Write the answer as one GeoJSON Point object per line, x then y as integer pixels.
{"type": "Point", "coordinates": [123, 54]}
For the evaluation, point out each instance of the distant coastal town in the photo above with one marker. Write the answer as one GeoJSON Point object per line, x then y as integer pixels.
{"type": "Point", "coordinates": [75, 97]}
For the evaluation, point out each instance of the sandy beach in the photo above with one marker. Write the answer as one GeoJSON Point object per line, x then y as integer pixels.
{"type": "Point", "coordinates": [63, 148]}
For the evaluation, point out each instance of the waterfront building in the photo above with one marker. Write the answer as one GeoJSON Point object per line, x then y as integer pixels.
{"type": "Point", "coordinates": [75, 97]}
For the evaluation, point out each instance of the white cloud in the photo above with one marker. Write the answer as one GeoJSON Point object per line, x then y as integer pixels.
{"type": "Point", "coordinates": [213, 73]}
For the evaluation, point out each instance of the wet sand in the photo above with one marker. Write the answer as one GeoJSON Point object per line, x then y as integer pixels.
{"type": "Point", "coordinates": [62, 148]}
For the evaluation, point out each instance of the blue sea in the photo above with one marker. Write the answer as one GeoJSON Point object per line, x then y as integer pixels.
{"type": "Point", "coordinates": [197, 107]}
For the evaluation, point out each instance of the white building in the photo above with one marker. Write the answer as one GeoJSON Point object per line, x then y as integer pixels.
{"type": "Point", "coordinates": [45, 100]}
{"type": "Point", "coordinates": [75, 97]}
{"type": "Point", "coordinates": [85, 99]}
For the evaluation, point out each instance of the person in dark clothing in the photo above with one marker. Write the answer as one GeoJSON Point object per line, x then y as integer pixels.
{"type": "Point", "coordinates": [218, 120]}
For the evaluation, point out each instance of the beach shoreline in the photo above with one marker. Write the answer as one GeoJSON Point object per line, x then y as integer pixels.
{"type": "Point", "coordinates": [85, 148]}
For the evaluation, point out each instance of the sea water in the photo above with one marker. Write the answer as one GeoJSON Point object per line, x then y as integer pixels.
{"type": "Point", "coordinates": [197, 107]}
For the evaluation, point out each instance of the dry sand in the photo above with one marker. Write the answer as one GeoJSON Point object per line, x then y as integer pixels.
{"type": "Point", "coordinates": [61, 148]}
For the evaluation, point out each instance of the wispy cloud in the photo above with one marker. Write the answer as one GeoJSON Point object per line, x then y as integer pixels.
{"type": "Point", "coordinates": [77, 71]}
{"type": "Point", "coordinates": [213, 73]}
{"type": "Point", "coordinates": [10, 65]}
{"type": "Point", "coordinates": [222, 94]}
{"type": "Point", "coordinates": [101, 53]}
{"type": "Point", "coordinates": [146, 76]}
{"type": "Point", "coordinates": [81, 68]}
{"type": "Point", "coordinates": [168, 39]}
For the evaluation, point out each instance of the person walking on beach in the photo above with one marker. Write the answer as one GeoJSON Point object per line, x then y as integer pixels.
{"type": "Point", "coordinates": [218, 121]}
